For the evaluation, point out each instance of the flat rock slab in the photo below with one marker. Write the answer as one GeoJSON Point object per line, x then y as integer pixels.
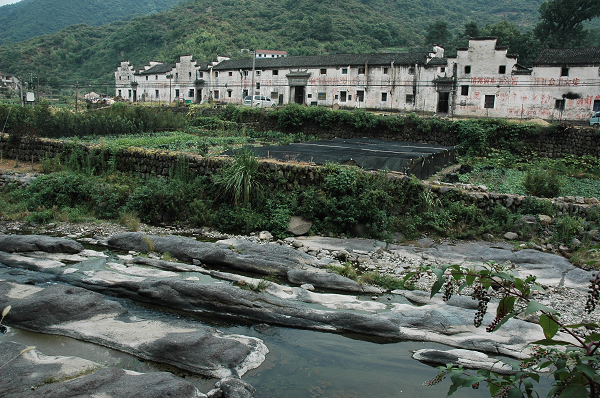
{"type": "Point", "coordinates": [32, 243]}
{"type": "Point", "coordinates": [84, 315]}
{"type": "Point", "coordinates": [242, 255]}
{"type": "Point", "coordinates": [34, 374]}
{"type": "Point", "coordinates": [467, 358]}
{"type": "Point", "coordinates": [337, 244]}
{"type": "Point", "coordinates": [30, 263]}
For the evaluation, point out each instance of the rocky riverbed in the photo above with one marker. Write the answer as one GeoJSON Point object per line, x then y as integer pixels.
{"type": "Point", "coordinates": [58, 286]}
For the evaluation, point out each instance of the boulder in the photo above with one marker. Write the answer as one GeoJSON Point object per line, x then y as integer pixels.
{"type": "Point", "coordinates": [235, 388]}
{"type": "Point", "coordinates": [467, 358]}
{"type": "Point", "coordinates": [299, 226]}
{"type": "Point", "coordinates": [32, 243]}
{"type": "Point", "coordinates": [511, 236]}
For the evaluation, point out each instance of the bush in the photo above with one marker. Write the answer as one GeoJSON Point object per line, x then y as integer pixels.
{"type": "Point", "coordinates": [566, 228]}
{"type": "Point", "coordinates": [542, 183]}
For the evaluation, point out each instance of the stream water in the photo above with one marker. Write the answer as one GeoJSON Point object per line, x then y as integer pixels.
{"type": "Point", "coordinates": [300, 363]}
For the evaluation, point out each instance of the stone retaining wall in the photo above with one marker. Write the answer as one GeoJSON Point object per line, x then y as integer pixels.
{"type": "Point", "coordinates": [275, 175]}
{"type": "Point", "coordinates": [546, 142]}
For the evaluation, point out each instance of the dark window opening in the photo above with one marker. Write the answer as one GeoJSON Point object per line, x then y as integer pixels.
{"type": "Point", "coordinates": [596, 105]}
{"type": "Point", "coordinates": [383, 97]}
{"type": "Point", "coordinates": [464, 90]}
{"type": "Point", "coordinates": [385, 71]}
{"type": "Point", "coordinates": [176, 92]}
{"type": "Point", "coordinates": [361, 71]}
{"type": "Point", "coordinates": [360, 96]}
{"type": "Point", "coordinates": [468, 69]}
{"type": "Point", "coordinates": [560, 104]}
{"type": "Point", "coordinates": [489, 101]}
{"type": "Point", "coordinates": [257, 86]}
{"type": "Point", "coordinates": [216, 94]}
{"type": "Point", "coordinates": [275, 73]}
{"type": "Point", "coordinates": [343, 96]}
{"type": "Point", "coordinates": [410, 99]}
{"type": "Point", "coordinates": [502, 69]}
{"type": "Point", "coordinates": [564, 71]}
{"type": "Point", "coordinates": [345, 71]}
{"type": "Point", "coordinates": [323, 71]}
{"type": "Point", "coordinates": [191, 93]}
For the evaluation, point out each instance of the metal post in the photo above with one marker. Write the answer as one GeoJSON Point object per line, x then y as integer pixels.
{"type": "Point", "coordinates": [252, 88]}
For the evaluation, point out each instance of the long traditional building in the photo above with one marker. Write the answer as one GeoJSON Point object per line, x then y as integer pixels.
{"type": "Point", "coordinates": [482, 80]}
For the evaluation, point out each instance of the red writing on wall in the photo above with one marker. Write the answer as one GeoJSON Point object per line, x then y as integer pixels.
{"type": "Point", "coordinates": [510, 81]}
{"type": "Point", "coordinates": [560, 82]}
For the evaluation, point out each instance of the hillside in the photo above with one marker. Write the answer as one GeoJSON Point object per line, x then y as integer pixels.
{"type": "Point", "coordinates": [205, 28]}
{"type": "Point", "coordinates": [30, 18]}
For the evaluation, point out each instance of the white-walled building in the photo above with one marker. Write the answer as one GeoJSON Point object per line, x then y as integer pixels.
{"type": "Point", "coordinates": [270, 54]}
{"type": "Point", "coordinates": [483, 80]}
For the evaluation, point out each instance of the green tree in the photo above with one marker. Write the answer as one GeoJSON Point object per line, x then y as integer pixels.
{"type": "Point", "coordinates": [561, 22]}
{"type": "Point", "coordinates": [438, 33]}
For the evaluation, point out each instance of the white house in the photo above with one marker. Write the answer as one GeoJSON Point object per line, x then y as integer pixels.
{"type": "Point", "coordinates": [482, 80]}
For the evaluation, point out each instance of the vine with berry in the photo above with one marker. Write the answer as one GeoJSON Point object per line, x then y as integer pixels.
{"type": "Point", "coordinates": [573, 358]}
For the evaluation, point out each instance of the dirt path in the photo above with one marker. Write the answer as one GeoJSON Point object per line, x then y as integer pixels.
{"type": "Point", "coordinates": [8, 165]}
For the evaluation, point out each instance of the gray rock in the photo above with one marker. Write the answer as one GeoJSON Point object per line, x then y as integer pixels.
{"type": "Point", "coordinates": [265, 235]}
{"type": "Point", "coordinates": [467, 358]}
{"type": "Point", "coordinates": [85, 315]}
{"type": "Point", "coordinates": [32, 243]}
{"type": "Point", "coordinates": [120, 383]}
{"type": "Point", "coordinates": [299, 226]}
{"type": "Point", "coordinates": [488, 237]}
{"type": "Point", "coordinates": [166, 265]}
{"type": "Point", "coordinates": [511, 236]}
{"type": "Point", "coordinates": [329, 280]}
{"type": "Point", "coordinates": [235, 388]}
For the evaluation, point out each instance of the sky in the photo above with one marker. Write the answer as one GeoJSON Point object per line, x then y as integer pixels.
{"type": "Point", "coordinates": [5, 2]}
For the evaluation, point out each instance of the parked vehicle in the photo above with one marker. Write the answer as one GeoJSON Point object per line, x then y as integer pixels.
{"type": "Point", "coordinates": [595, 120]}
{"type": "Point", "coordinates": [259, 101]}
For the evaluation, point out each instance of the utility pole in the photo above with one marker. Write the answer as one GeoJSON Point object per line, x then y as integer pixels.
{"type": "Point", "coordinates": [252, 88]}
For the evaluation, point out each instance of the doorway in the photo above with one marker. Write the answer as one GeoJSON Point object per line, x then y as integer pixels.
{"type": "Point", "coordinates": [443, 102]}
{"type": "Point", "coordinates": [299, 94]}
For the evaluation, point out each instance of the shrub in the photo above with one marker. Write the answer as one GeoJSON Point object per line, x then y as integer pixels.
{"type": "Point", "coordinates": [542, 183]}
{"type": "Point", "coordinates": [566, 228]}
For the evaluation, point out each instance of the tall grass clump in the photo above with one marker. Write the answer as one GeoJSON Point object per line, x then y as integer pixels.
{"type": "Point", "coordinates": [237, 181]}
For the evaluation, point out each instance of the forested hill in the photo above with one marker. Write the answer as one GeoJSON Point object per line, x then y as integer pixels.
{"type": "Point", "coordinates": [205, 28]}
{"type": "Point", "coordinates": [29, 18]}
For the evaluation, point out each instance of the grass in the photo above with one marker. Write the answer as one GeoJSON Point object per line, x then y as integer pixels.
{"type": "Point", "coordinates": [374, 278]}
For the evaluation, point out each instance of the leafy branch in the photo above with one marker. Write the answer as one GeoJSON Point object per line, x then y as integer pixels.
{"type": "Point", "coordinates": [575, 364]}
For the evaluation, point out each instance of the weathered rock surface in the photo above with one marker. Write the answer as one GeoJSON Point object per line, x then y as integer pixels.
{"type": "Point", "coordinates": [84, 315]}
{"type": "Point", "coordinates": [34, 369]}
{"type": "Point", "coordinates": [32, 243]}
{"type": "Point", "coordinates": [244, 256]}
{"type": "Point", "coordinates": [467, 358]}
{"type": "Point", "coordinates": [299, 226]}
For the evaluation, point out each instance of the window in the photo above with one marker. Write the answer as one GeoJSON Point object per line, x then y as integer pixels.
{"type": "Point", "coordinates": [156, 94]}
{"type": "Point", "coordinates": [410, 98]}
{"type": "Point", "coordinates": [191, 93]}
{"type": "Point", "coordinates": [119, 77]}
{"type": "Point", "coordinates": [361, 71]}
{"type": "Point", "coordinates": [200, 74]}
{"type": "Point", "coordinates": [360, 96]}
{"type": "Point", "coordinates": [230, 73]}
{"type": "Point", "coordinates": [119, 93]}
{"type": "Point", "coordinates": [275, 73]}
{"type": "Point", "coordinates": [257, 85]}
{"type": "Point", "coordinates": [244, 93]}
{"type": "Point", "coordinates": [597, 105]}
{"type": "Point", "coordinates": [216, 94]}
{"type": "Point", "coordinates": [257, 73]}
{"type": "Point", "coordinates": [146, 77]}
{"type": "Point", "coordinates": [564, 71]}
{"type": "Point", "coordinates": [229, 93]}
{"type": "Point", "coordinates": [502, 69]}
{"type": "Point", "coordinates": [322, 96]}
{"type": "Point", "coordinates": [349, 98]}
{"type": "Point", "coordinates": [189, 74]}
{"type": "Point", "coordinates": [323, 71]}
{"type": "Point", "coordinates": [156, 77]}
{"type": "Point", "coordinates": [383, 97]}
{"type": "Point", "coordinates": [245, 73]}
{"type": "Point", "coordinates": [177, 75]}
{"type": "Point", "coordinates": [345, 71]}
{"type": "Point", "coordinates": [129, 92]}
{"type": "Point", "coordinates": [411, 71]}
{"type": "Point", "coordinates": [489, 101]}
{"type": "Point", "coordinates": [216, 74]}
{"type": "Point", "coordinates": [309, 95]}
{"type": "Point", "coordinates": [467, 69]}
{"type": "Point", "coordinates": [464, 90]}
{"type": "Point", "coordinates": [343, 96]}
{"type": "Point", "coordinates": [176, 92]}
{"type": "Point", "coordinates": [385, 71]}
{"type": "Point", "coordinates": [559, 104]}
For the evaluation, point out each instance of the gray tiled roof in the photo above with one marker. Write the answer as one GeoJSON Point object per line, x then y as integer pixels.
{"type": "Point", "coordinates": [568, 56]}
{"type": "Point", "coordinates": [317, 61]}
{"type": "Point", "coordinates": [156, 69]}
